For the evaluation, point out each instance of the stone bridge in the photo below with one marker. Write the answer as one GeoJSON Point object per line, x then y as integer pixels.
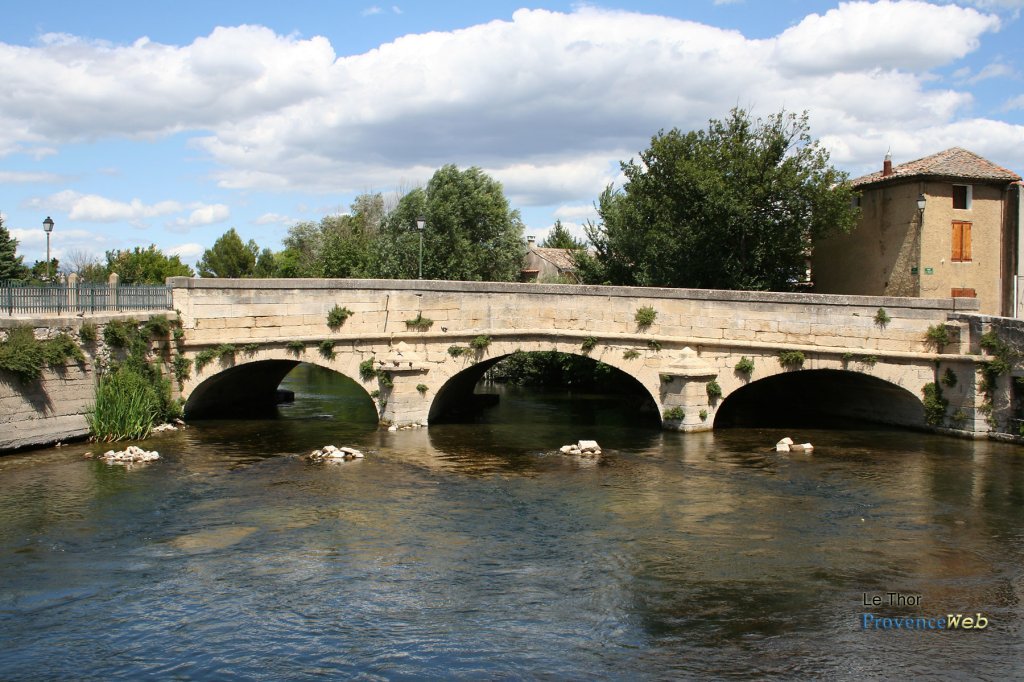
{"type": "Point", "coordinates": [419, 347]}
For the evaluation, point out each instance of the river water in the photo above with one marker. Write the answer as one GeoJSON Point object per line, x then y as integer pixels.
{"type": "Point", "coordinates": [477, 551]}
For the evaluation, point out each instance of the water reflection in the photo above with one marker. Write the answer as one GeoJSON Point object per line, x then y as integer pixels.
{"type": "Point", "coordinates": [477, 551]}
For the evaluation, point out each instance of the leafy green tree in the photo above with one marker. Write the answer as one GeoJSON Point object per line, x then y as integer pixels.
{"type": "Point", "coordinates": [471, 234]}
{"type": "Point", "coordinates": [266, 264]}
{"type": "Point", "coordinates": [11, 265]}
{"type": "Point", "coordinates": [560, 238]}
{"type": "Point", "coordinates": [734, 207]}
{"type": "Point", "coordinates": [38, 273]}
{"type": "Point", "coordinates": [140, 266]}
{"type": "Point", "coordinates": [229, 257]}
{"type": "Point", "coordinates": [302, 248]}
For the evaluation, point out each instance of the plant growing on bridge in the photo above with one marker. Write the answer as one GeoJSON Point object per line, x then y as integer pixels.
{"type": "Point", "coordinates": [676, 414]}
{"type": "Point", "coordinates": [480, 343]}
{"type": "Point", "coordinates": [630, 354]}
{"type": "Point", "coordinates": [419, 323]}
{"type": "Point", "coordinates": [157, 327]}
{"type": "Point", "coordinates": [327, 349]}
{"type": "Point", "coordinates": [25, 356]}
{"type": "Point", "coordinates": [88, 332]}
{"type": "Point", "coordinates": [296, 347]}
{"type": "Point", "coordinates": [250, 349]}
{"type": "Point", "coordinates": [937, 336]}
{"type": "Point", "coordinates": [654, 345]}
{"type": "Point", "coordinates": [182, 368]}
{"type": "Point", "coordinates": [457, 351]}
{"type": "Point", "coordinates": [666, 378]}
{"type": "Point", "coordinates": [703, 414]}
{"type": "Point", "coordinates": [882, 318]}
{"type": "Point", "coordinates": [714, 390]}
{"type": "Point", "coordinates": [589, 343]}
{"type": "Point", "coordinates": [205, 357]}
{"type": "Point", "coordinates": [422, 388]}
{"type": "Point", "coordinates": [385, 380]}
{"type": "Point", "coordinates": [225, 351]}
{"type": "Point", "coordinates": [366, 369]}
{"type": "Point", "coordinates": [934, 404]}
{"type": "Point", "coordinates": [645, 316]}
{"type": "Point", "coordinates": [120, 333]}
{"type": "Point", "coordinates": [949, 378]}
{"type": "Point", "coordinates": [337, 316]}
{"type": "Point", "coordinates": [745, 366]}
{"type": "Point", "coordinates": [791, 359]}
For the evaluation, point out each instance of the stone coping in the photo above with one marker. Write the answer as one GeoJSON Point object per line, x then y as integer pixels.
{"type": "Point", "coordinates": [75, 320]}
{"type": "Point", "coordinates": [444, 286]}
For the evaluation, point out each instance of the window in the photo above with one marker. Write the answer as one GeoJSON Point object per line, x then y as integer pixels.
{"type": "Point", "coordinates": [962, 196]}
{"type": "Point", "coordinates": [961, 241]}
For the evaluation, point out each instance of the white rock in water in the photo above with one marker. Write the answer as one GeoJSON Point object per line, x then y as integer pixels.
{"type": "Point", "coordinates": [393, 427]}
{"type": "Point", "coordinates": [129, 455]}
{"type": "Point", "coordinates": [787, 441]}
{"type": "Point", "coordinates": [781, 447]}
{"type": "Point", "coordinates": [565, 449]}
{"type": "Point", "coordinates": [334, 454]}
{"type": "Point", "coordinates": [588, 445]}
{"type": "Point", "coordinates": [807, 447]}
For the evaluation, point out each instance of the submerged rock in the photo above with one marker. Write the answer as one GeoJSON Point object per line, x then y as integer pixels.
{"type": "Point", "coordinates": [787, 445]}
{"type": "Point", "coordinates": [335, 454]}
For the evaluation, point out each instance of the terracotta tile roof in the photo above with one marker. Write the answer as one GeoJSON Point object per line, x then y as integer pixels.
{"type": "Point", "coordinates": [955, 162]}
{"type": "Point", "coordinates": [560, 258]}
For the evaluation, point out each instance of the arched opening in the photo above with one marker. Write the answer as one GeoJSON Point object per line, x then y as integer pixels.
{"type": "Point", "coordinates": [256, 389]}
{"type": "Point", "coordinates": [574, 387]}
{"type": "Point", "coordinates": [820, 398]}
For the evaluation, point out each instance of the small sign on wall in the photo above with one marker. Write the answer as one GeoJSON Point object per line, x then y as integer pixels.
{"type": "Point", "coordinates": [929, 271]}
{"type": "Point", "coordinates": [913, 270]}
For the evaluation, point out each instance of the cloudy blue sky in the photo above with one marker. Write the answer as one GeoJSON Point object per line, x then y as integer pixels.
{"type": "Point", "coordinates": [169, 122]}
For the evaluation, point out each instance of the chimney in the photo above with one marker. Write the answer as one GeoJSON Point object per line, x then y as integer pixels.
{"type": "Point", "coordinates": [887, 165]}
{"type": "Point", "coordinates": [531, 241]}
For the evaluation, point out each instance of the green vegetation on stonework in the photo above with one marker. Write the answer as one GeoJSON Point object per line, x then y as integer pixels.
{"type": "Point", "coordinates": [703, 414]}
{"type": "Point", "coordinates": [24, 356]}
{"type": "Point", "coordinates": [791, 359]}
{"type": "Point", "coordinates": [250, 349]}
{"type": "Point", "coordinates": [422, 388]}
{"type": "Point", "coordinates": [88, 332]}
{"type": "Point", "coordinates": [882, 318]}
{"type": "Point", "coordinates": [674, 414]}
{"type": "Point", "coordinates": [457, 351]}
{"type": "Point", "coordinates": [327, 349]}
{"type": "Point", "coordinates": [182, 368]}
{"type": "Point", "coordinates": [630, 354]}
{"type": "Point", "coordinates": [934, 404]}
{"type": "Point", "coordinates": [385, 380]}
{"type": "Point", "coordinates": [296, 347]}
{"type": "Point", "coordinates": [366, 369]}
{"type": "Point", "coordinates": [949, 379]}
{"type": "Point", "coordinates": [645, 316]}
{"type": "Point", "coordinates": [337, 317]}
{"type": "Point", "coordinates": [419, 323]}
{"type": "Point", "coordinates": [120, 333]}
{"type": "Point", "coordinates": [589, 343]}
{"type": "Point", "coordinates": [654, 345]}
{"type": "Point", "coordinates": [714, 390]}
{"type": "Point", "coordinates": [480, 343]}
{"type": "Point", "coordinates": [937, 336]}
{"type": "Point", "coordinates": [157, 327]}
{"type": "Point", "coordinates": [745, 366]}
{"type": "Point", "coordinates": [205, 357]}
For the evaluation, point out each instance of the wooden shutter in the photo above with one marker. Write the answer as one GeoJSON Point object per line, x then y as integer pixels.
{"type": "Point", "coordinates": [963, 293]}
{"type": "Point", "coordinates": [961, 241]}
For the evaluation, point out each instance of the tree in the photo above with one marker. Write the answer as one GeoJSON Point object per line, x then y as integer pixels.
{"type": "Point", "coordinates": [140, 266]}
{"type": "Point", "coordinates": [302, 249]}
{"type": "Point", "coordinates": [229, 257]}
{"type": "Point", "coordinates": [470, 232]}
{"type": "Point", "coordinates": [11, 265]}
{"type": "Point", "coordinates": [734, 207]}
{"type": "Point", "coordinates": [559, 238]}
{"type": "Point", "coordinates": [350, 243]}
{"type": "Point", "coordinates": [266, 264]}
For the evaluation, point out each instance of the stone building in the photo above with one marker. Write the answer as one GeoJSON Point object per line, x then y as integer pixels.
{"type": "Point", "coordinates": [545, 265]}
{"type": "Point", "coordinates": [943, 226]}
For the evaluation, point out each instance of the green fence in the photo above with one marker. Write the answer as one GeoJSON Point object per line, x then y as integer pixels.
{"type": "Point", "coordinates": [83, 298]}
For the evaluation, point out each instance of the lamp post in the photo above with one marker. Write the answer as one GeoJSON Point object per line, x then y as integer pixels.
{"type": "Point", "coordinates": [921, 200]}
{"type": "Point", "coordinates": [48, 228]}
{"type": "Point", "coordinates": [421, 223]}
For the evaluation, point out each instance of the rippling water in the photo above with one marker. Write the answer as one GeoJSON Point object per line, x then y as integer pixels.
{"type": "Point", "coordinates": [477, 551]}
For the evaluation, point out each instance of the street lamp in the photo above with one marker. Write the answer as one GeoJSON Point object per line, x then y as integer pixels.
{"type": "Point", "coordinates": [48, 228]}
{"type": "Point", "coordinates": [920, 203]}
{"type": "Point", "coordinates": [421, 223]}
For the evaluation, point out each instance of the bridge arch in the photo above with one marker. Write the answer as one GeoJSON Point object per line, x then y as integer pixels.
{"type": "Point", "coordinates": [458, 389]}
{"type": "Point", "coordinates": [819, 396]}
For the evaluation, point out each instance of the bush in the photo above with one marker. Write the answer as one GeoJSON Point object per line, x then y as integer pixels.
{"type": "Point", "coordinates": [182, 368]}
{"type": "Point", "coordinates": [157, 327]}
{"type": "Point", "coordinates": [934, 404]}
{"type": "Point", "coordinates": [791, 359]}
{"type": "Point", "coordinates": [589, 343]}
{"type": "Point", "coordinates": [654, 345]}
{"type": "Point", "coordinates": [480, 343]}
{"type": "Point", "coordinates": [703, 415]}
{"type": "Point", "coordinates": [419, 323]}
{"type": "Point", "coordinates": [385, 380]}
{"type": "Point", "coordinates": [366, 369]}
{"type": "Point", "coordinates": [937, 336]}
{"type": "Point", "coordinates": [457, 351]}
{"type": "Point", "coordinates": [745, 366]}
{"type": "Point", "coordinates": [61, 348]}
{"type": "Point", "coordinates": [949, 378]}
{"type": "Point", "coordinates": [296, 347]}
{"type": "Point", "coordinates": [225, 350]}
{"type": "Point", "coordinates": [631, 354]}
{"type": "Point", "coordinates": [120, 333]}
{"type": "Point", "coordinates": [88, 332]}
{"type": "Point", "coordinates": [250, 349]}
{"type": "Point", "coordinates": [645, 316]}
{"type": "Point", "coordinates": [337, 316]}
{"type": "Point", "coordinates": [674, 414]}
{"type": "Point", "coordinates": [714, 390]}
{"type": "Point", "coordinates": [422, 388]}
{"type": "Point", "coordinates": [24, 356]}
{"type": "Point", "coordinates": [882, 318]}
{"type": "Point", "coordinates": [204, 357]}
{"type": "Point", "coordinates": [327, 349]}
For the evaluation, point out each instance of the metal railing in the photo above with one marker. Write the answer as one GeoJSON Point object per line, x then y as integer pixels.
{"type": "Point", "coordinates": [82, 298]}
